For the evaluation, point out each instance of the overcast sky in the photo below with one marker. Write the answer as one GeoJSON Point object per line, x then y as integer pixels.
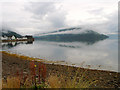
{"type": "Point", "coordinates": [37, 16]}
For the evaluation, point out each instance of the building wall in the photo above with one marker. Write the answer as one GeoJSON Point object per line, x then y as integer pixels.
{"type": "Point", "coordinates": [13, 37]}
{"type": "Point", "coordinates": [4, 38]}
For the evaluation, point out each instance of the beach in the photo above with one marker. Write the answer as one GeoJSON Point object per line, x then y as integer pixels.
{"type": "Point", "coordinates": [11, 63]}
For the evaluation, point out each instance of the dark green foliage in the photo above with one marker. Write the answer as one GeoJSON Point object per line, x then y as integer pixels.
{"type": "Point", "coordinates": [11, 33]}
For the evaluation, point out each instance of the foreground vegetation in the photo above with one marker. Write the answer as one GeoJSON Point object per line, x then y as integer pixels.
{"type": "Point", "coordinates": [37, 79]}
{"type": "Point", "coordinates": [29, 73]}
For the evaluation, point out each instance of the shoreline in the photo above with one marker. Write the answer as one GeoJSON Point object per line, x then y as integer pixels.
{"type": "Point", "coordinates": [10, 62]}
{"type": "Point", "coordinates": [91, 67]}
{"type": "Point", "coordinates": [18, 40]}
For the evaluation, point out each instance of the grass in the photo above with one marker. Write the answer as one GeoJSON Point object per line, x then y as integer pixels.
{"type": "Point", "coordinates": [37, 78]}
{"type": "Point", "coordinates": [77, 81]}
{"type": "Point", "coordinates": [20, 56]}
{"type": "Point", "coordinates": [27, 80]}
{"type": "Point", "coordinates": [52, 81]}
{"type": "Point", "coordinates": [12, 82]}
{"type": "Point", "coordinates": [0, 84]}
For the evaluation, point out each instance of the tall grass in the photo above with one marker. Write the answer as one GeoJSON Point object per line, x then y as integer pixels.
{"type": "Point", "coordinates": [70, 81]}
{"type": "Point", "coordinates": [0, 83]}
{"type": "Point", "coordinates": [27, 80]}
{"type": "Point", "coordinates": [12, 82]}
{"type": "Point", "coordinates": [52, 81]}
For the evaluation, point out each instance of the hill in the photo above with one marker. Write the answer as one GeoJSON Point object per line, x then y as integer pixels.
{"type": "Point", "coordinates": [81, 36]}
{"type": "Point", "coordinates": [10, 33]}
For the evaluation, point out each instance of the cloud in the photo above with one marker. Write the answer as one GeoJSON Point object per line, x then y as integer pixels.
{"type": "Point", "coordinates": [111, 25]}
{"type": "Point", "coordinates": [57, 19]}
{"type": "Point", "coordinates": [37, 17]}
{"type": "Point", "coordinates": [47, 12]}
{"type": "Point", "coordinates": [40, 9]}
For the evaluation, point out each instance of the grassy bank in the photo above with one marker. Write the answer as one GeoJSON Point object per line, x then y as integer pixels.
{"type": "Point", "coordinates": [26, 72]}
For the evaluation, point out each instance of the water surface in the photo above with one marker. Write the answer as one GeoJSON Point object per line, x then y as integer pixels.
{"type": "Point", "coordinates": [101, 55]}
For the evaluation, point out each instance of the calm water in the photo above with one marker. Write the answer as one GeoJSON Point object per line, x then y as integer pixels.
{"type": "Point", "coordinates": [101, 55]}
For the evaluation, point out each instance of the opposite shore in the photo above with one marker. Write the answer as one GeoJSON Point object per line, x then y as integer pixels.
{"type": "Point", "coordinates": [18, 40]}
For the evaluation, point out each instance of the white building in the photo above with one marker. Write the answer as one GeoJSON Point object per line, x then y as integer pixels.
{"type": "Point", "coordinates": [4, 38]}
{"type": "Point", "coordinates": [13, 37]}
{"type": "Point", "coordinates": [24, 38]}
{"type": "Point", "coordinates": [19, 38]}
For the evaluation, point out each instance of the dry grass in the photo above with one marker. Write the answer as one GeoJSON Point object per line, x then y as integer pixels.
{"type": "Point", "coordinates": [62, 81]}
{"type": "Point", "coordinates": [12, 82]}
{"type": "Point", "coordinates": [29, 79]}
{"type": "Point", "coordinates": [19, 56]}
{"type": "Point", "coordinates": [54, 82]}
{"type": "Point", "coordinates": [0, 84]}
{"type": "Point", "coordinates": [28, 83]}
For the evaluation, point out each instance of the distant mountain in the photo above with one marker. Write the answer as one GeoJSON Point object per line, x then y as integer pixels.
{"type": "Point", "coordinates": [10, 33]}
{"type": "Point", "coordinates": [82, 36]}
{"type": "Point", "coordinates": [61, 30]}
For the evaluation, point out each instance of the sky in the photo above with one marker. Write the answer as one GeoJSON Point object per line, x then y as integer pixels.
{"type": "Point", "coordinates": [38, 16]}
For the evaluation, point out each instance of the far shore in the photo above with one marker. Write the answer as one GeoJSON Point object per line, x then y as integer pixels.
{"type": "Point", "coordinates": [18, 40]}
{"type": "Point", "coordinates": [11, 63]}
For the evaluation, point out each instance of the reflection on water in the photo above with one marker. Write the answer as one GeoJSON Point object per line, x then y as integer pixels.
{"type": "Point", "coordinates": [88, 41]}
{"type": "Point", "coordinates": [103, 54]}
{"type": "Point", "coordinates": [8, 45]}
